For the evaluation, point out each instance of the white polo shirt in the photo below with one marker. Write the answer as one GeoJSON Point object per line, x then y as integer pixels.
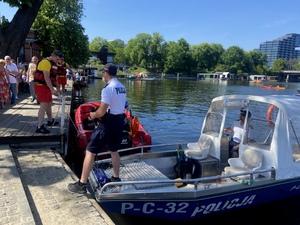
{"type": "Point", "coordinates": [238, 130]}
{"type": "Point", "coordinates": [114, 94]}
{"type": "Point", "coordinates": [12, 67]}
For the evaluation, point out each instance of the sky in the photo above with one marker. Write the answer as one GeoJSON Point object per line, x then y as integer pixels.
{"type": "Point", "coordinates": [243, 23]}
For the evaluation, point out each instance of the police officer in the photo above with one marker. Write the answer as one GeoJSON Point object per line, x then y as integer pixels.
{"type": "Point", "coordinates": [109, 132]}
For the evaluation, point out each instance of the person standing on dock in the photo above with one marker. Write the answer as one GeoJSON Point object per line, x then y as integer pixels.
{"type": "Point", "coordinates": [13, 73]}
{"type": "Point", "coordinates": [4, 84]}
{"type": "Point", "coordinates": [109, 132]}
{"type": "Point", "coordinates": [62, 75]}
{"type": "Point", "coordinates": [30, 76]}
{"type": "Point", "coordinates": [21, 68]}
{"type": "Point", "coordinates": [44, 83]}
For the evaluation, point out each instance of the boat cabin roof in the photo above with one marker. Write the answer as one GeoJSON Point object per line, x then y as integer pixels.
{"type": "Point", "coordinates": [286, 103]}
{"type": "Point", "coordinates": [275, 121]}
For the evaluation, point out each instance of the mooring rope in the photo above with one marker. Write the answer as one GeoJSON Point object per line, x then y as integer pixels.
{"type": "Point", "coordinates": [72, 121]}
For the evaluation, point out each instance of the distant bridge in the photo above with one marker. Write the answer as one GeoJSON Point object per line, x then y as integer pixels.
{"type": "Point", "coordinates": [289, 76]}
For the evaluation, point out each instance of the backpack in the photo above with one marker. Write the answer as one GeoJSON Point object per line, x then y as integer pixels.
{"type": "Point", "coordinates": [186, 166]}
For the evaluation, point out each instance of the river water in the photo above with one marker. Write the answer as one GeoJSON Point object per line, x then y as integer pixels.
{"type": "Point", "coordinates": [172, 111]}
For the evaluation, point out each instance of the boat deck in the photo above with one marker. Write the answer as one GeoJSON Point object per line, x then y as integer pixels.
{"type": "Point", "coordinates": [137, 179]}
{"type": "Point", "coordinates": [139, 171]}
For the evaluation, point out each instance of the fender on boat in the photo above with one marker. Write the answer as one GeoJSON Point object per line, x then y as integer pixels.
{"type": "Point", "coordinates": [135, 125]}
{"type": "Point", "coordinates": [270, 115]}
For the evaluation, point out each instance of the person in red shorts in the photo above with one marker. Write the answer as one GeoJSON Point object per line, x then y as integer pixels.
{"type": "Point", "coordinates": [62, 75]}
{"type": "Point", "coordinates": [44, 83]}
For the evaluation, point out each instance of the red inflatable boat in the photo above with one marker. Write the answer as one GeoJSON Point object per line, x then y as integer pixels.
{"type": "Point", "coordinates": [134, 136]}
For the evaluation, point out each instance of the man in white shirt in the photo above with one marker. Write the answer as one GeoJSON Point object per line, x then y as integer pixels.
{"type": "Point", "coordinates": [238, 129]}
{"type": "Point", "coordinates": [13, 72]}
{"type": "Point", "coordinates": [109, 132]}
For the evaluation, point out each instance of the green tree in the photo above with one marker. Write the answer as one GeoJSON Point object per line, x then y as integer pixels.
{"type": "Point", "coordinates": [157, 51]}
{"type": "Point", "coordinates": [138, 50]}
{"type": "Point", "coordinates": [234, 57]}
{"type": "Point", "coordinates": [96, 44]}
{"type": "Point", "coordinates": [256, 61]}
{"type": "Point", "coordinates": [186, 56]}
{"type": "Point", "coordinates": [58, 27]}
{"type": "Point", "coordinates": [207, 56]}
{"type": "Point", "coordinates": [13, 34]}
{"type": "Point", "coordinates": [297, 66]}
{"type": "Point", "coordinates": [178, 57]}
{"type": "Point", "coordinates": [262, 69]}
{"type": "Point", "coordinates": [278, 65]}
{"type": "Point", "coordinates": [172, 60]}
{"type": "Point", "coordinates": [3, 22]}
{"type": "Point", "coordinates": [221, 67]}
{"type": "Point", "coordinates": [146, 51]}
{"type": "Point", "coordinates": [291, 64]}
{"type": "Point", "coordinates": [118, 48]}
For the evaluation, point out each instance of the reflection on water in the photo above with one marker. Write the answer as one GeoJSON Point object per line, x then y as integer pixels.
{"type": "Point", "coordinates": [173, 111]}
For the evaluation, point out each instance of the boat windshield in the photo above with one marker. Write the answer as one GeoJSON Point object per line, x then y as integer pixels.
{"type": "Point", "coordinates": [262, 133]}
{"type": "Point", "coordinates": [213, 123]}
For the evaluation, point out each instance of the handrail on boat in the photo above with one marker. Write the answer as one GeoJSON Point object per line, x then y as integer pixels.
{"type": "Point", "coordinates": [195, 181]}
{"type": "Point", "coordinates": [142, 148]}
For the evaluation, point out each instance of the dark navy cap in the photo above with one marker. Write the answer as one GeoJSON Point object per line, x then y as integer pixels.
{"type": "Point", "coordinates": [244, 112]}
{"type": "Point", "coordinates": [58, 53]}
{"type": "Point", "coordinates": [110, 68]}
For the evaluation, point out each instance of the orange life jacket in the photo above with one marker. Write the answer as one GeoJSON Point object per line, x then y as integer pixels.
{"type": "Point", "coordinates": [62, 70]}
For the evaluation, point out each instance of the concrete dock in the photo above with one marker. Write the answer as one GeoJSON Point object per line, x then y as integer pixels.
{"type": "Point", "coordinates": [34, 176]}
{"type": "Point", "coordinates": [33, 190]}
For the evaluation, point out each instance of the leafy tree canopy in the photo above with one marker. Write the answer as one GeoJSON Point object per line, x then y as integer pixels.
{"type": "Point", "coordinates": [58, 27]}
{"type": "Point", "coordinates": [234, 57]}
{"type": "Point", "coordinates": [138, 50]}
{"type": "Point", "coordinates": [278, 65]}
{"type": "Point", "coordinates": [206, 56]}
{"type": "Point", "coordinates": [178, 57]}
{"type": "Point", "coordinates": [97, 43]}
{"type": "Point", "coordinates": [13, 34]}
{"type": "Point", "coordinates": [18, 3]}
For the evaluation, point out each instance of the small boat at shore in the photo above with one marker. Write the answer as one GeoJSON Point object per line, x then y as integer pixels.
{"type": "Point", "coordinates": [273, 87]}
{"type": "Point", "coordinates": [80, 84]}
{"type": "Point", "coordinates": [80, 81]}
{"type": "Point", "coordinates": [188, 181]}
{"type": "Point", "coordinates": [131, 76]}
{"type": "Point", "coordinates": [134, 133]}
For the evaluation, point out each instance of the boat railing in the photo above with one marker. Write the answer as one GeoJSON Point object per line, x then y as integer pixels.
{"type": "Point", "coordinates": [142, 148]}
{"type": "Point", "coordinates": [195, 181]}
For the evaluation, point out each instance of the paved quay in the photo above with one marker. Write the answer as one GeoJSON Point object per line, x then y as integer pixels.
{"type": "Point", "coordinates": [33, 190]}
{"type": "Point", "coordinates": [34, 177]}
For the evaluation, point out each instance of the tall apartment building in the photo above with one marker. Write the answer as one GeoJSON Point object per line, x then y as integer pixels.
{"type": "Point", "coordinates": [283, 47]}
